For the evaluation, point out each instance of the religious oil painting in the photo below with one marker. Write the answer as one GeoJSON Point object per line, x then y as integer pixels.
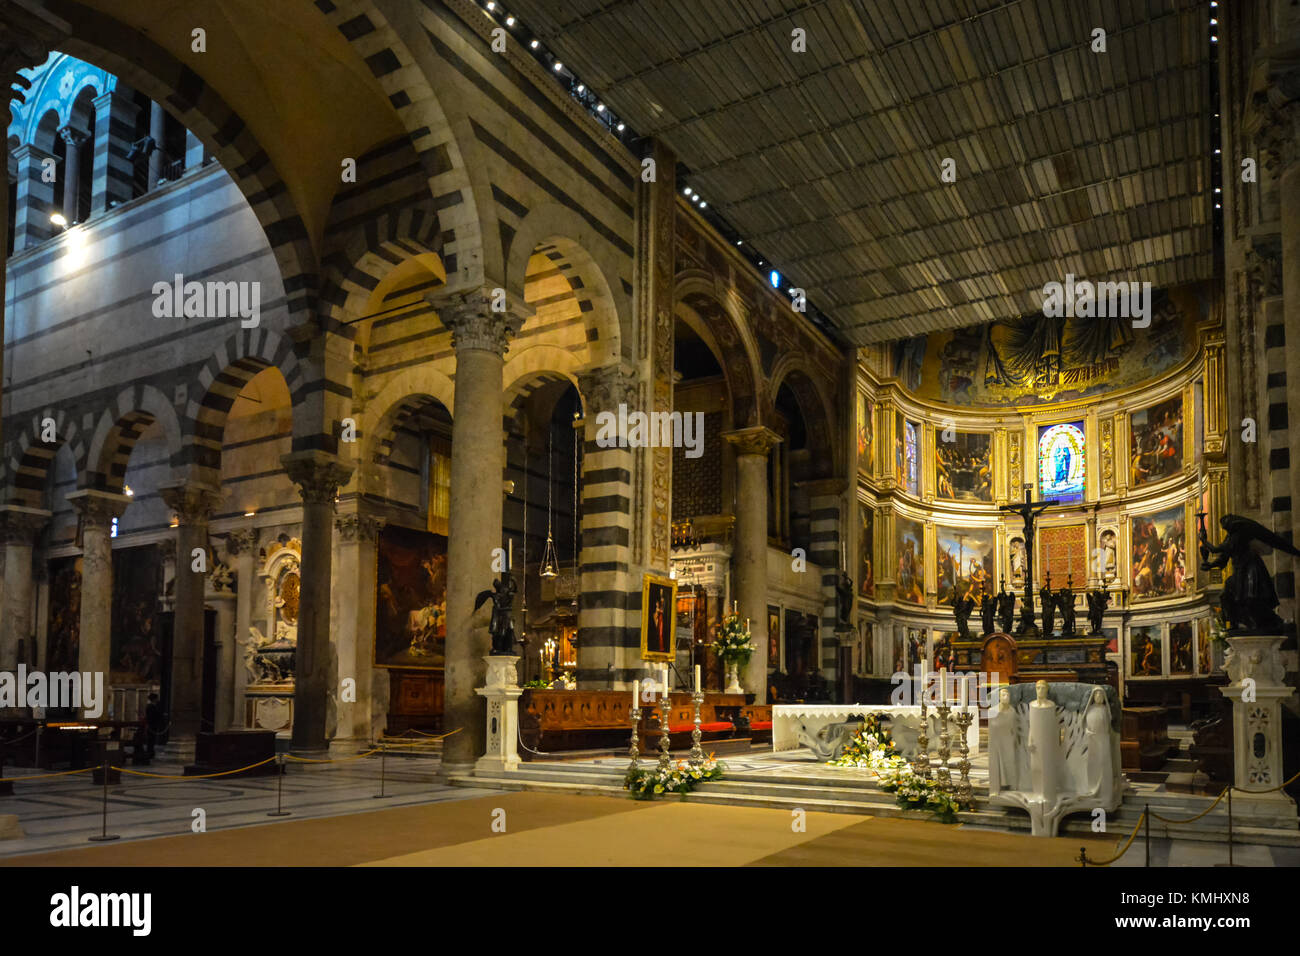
{"type": "Point", "coordinates": [63, 627]}
{"type": "Point", "coordinates": [866, 564]}
{"type": "Point", "coordinates": [657, 601]}
{"type": "Point", "coordinates": [1156, 442]}
{"type": "Point", "coordinates": [1209, 655]}
{"type": "Point", "coordinates": [899, 648]}
{"type": "Point", "coordinates": [1061, 462]}
{"type": "Point", "coordinates": [1158, 555]}
{"type": "Point", "coordinates": [1180, 648]}
{"type": "Point", "coordinates": [864, 650]}
{"type": "Point", "coordinates": [963, 467]}
{"type": "Point", "coordinates": [906, 448]}
{"type": "Point", "coordinates": [1144, 651]}
{"type": "Point", "coordinates": [964, 563]}
{"type": "Point", "coordinates": [135, 646]}
{"type": "Point", "coordinates": [866, 433]}
{"type": "Point", "coordinates": [410, 599]}
{"type": "Point", "coordinates": [910, 545]}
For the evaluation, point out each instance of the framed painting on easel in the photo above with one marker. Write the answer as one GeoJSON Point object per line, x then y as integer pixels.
{"type": "Point", "coordinates": [658, 600]}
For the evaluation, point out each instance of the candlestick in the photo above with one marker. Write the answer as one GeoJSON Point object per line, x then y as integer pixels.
{"type": "Point", "coordinates": [634, 748]}
{"type": "Point", "coordinates": [697, 752]}
{"type": "Point", "coordinates": [963, 791]}
{"type": "Point", "coordinates": [664, 744]}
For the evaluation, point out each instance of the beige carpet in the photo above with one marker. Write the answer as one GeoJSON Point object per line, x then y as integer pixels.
{"type": "Point", "coordinates": [567, 830]}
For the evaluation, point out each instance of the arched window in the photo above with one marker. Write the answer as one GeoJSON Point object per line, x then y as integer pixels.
{"type": "Point", "coordinates": [1061, 461]}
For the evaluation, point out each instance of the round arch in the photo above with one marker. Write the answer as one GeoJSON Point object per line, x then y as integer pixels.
{"type": "Point", "coordinates": [30, 457]}
{"type": "Point", "coordinates": [132, 411]}
{"type": "Point", "coordinates": [586, 261]}
{"type": "Point", "coordinates": [793, 371]}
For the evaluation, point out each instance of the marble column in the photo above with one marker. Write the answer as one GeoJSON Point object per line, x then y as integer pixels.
{"type": "Point", "coordinates": [96, 511]}
{"type": "Point", "coordinates": [158, 133]}
{"type": "Point", "coordinates": [73, 139]}
{"type": "Point", "coordinates": [113, 175]}
{"type": "Point", "coordinates": [242, 546]}
{"type": "Point", "coordinates": [480, 336]}
{"type": "Point", "coordinates": [610, 592]}
{"type": "Point", "coordinates": [318, 476]}
{"type": "Point", "coordinates": [34, 199]}
{"type": "Point", "coordinates": [193, 504]}
{"type": "Point", "coordinates": [354, 619]}
{"type": "Point", "coordinates": [19, 527]}
{"type": "Point", "coordinates": [749, 554]}
{"type": "Point", "coordinates": [227, 656]}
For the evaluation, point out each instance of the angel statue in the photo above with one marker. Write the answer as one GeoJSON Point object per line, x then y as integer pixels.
{"type": "Point", "coordinates": [1248, 594]}
{"type": "Point", "coordinates": [961, 609]}
{"type": "Point", "coordinates": [501, 627]}
{"type": "Point", "coordinates": [1097, 602]}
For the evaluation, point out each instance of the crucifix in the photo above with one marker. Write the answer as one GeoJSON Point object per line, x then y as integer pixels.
{"type": "Point", "coordinates": [1028, 511]}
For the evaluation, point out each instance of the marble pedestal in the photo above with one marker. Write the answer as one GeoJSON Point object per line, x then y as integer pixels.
{"type": "Point", "coordinates": [1254, 665]}
{"type": "Point", "coordinates": [502, 696]}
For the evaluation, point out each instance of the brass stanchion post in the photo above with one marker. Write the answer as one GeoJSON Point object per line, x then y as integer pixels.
{"type": "Point", "coordinates": [1230, 863]}
{"type": "Point", "coordinates": [104, 835]}
{"type": "Point", "coordinates": [383, 754]}
{"type": "Point", "coordinates": [279, 790]}
{"type": "Point", "coordinates": [1146, 820]}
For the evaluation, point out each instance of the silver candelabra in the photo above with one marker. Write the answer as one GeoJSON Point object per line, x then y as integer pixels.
{"type": "Point", "coordinates": [634, 750]}
{"type": "Point", "coordinates": [665, 762]}
{"type": "Point", "coordinates": [697, 752]}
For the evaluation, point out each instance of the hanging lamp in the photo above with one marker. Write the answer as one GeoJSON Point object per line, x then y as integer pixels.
{"type": "Point", "coordinates": [550, 565]}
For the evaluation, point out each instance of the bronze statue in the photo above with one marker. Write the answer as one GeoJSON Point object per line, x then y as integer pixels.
{"type": "Point", "coordinates": [1097, 602]}
{"type": "Point", "coordinates": [501, 627]}
{"type": "Point", "coordinates": [1049, 607]}
{"type": "Point", "coordinates": [988, 610]}
{"type": "Point", "coordinates": [1248, 594]}
{"type": "Point", "coordinates": [1065, 604]}
{"type": "Point", "coordinates": [844, 599]}
{"type": "Point", "coordinates": [961, 610]}
{"type": "Point", "coordinates": [1006, 609]}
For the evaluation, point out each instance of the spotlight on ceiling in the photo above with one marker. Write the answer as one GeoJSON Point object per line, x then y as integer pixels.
{"type": "Point", "coordinates": [774, 277]}
{"type": "Point", "coordinates": [58, 219]}
{"type": "Point", "coordinates": [582, 87]}
{"type": "Point", "coordinates": [703, 204]}
{"type": "Point", "coordinates": [558, 66]}
{"type": "Point", "coordinates": [686, 191]}
{"type": "Point", "coordinates": [621, 127]}
{"type": "Point", "coordinates": [600, 107]}
{"type": "Point", "coordinates": [510, 21]}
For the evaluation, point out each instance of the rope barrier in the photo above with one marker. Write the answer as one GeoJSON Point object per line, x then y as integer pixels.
{"type": "Point", "coordinates": [1286, 783]}
{"type": "Point", "coordinates": [332, 759]}
{"type": "Point", "coordinates": [1198, 816]}
{"type": "Point", "coordinates": [195, 776]}
{"type": "Point", "coordinates": [1083, 852]}
{"type": "Point", "coordinates": [43, 776]}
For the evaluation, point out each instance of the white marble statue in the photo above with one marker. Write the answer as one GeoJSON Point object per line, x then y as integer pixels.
{"type": "Point", "coordinates": [1044, 745]}
{"type": "Point", "coordinates": [1056, 753]}
{"type": "Point", "coordinates": [1004, 773]}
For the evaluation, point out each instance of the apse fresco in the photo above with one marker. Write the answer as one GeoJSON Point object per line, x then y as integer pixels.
{"type": "Point", "coordinates": [866, 434]}
{"type": "Point", "coordinates": [964, 562]}
{"type": "Point", "coordinates": [1061, 462]}
{"type": "Point", "coordinates": [411, 599]}
{"type": "Point", "coordinates": [1156, 442]}
{"type": "Point", "coordinates": [1158, 554]}
{"type": "Point", "coordinates": [1037, 359]}
{"type": "Point", "coordinates": [905, 455]}
{"type": "Point", "coordinates": [963, 467]}
{"type": "Point", "coordinates": [1144, 651]}
{"type": "Point", "coordinates": [866, 565]}
{"type": "Point", "coordinates": [910, 547]}
{"type": "Point", "coordinates": [135, 647]}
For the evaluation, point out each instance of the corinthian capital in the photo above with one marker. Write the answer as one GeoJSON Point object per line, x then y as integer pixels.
{"type": "Point", "coordinates": [19, 525]}
{"type": "Point", "coordinates": [98, 508]}
{"type": "Point", "coordinates": [606, 388]}
{"type": "Point", "coordinates": [192, 502]}
{"type": "Point", "coordinates": [485, 319]}
{"type": "Point", "coordinates": [757, 440]}
{"type": "Point", "coordinates": [317, 475]}
{"type": "Point", "coordinates": [356, 527]}
{"type": "Point", "coordinates": [241, 541]}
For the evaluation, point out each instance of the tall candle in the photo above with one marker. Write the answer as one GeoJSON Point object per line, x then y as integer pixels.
{"type": "Point", "coordinates": [962, 691]}
{"type": "Point", "coordinates": [943, 683]}
{"type": "Point", "coordinates": [636, 687]}
{"type": "Point", "coordinates": [665, 682]}
{"type": "Point", "coordinates": [510, 553]}
{"type": "Point", "coordinates": [697, 678]}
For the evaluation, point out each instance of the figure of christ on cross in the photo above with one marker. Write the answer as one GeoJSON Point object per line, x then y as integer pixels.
{"type": "Point", "coordinates": [1028, 511]}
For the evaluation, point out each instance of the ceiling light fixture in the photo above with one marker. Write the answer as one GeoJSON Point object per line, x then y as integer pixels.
{"type": "Point", "coordinates": [58, 219]}
{"type": "Point", "coordinates": [558, 66]}
{"type": "Point", "coordinates": [621, 127]}
{"type": "Point", "coordinates": [534, 44]}
{"type": "Point", "coordinates": [582, 87]}
{"type": "Point", "coordinates": [510, 21]}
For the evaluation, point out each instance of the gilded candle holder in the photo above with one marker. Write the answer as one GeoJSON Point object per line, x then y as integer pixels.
{"type": "Point", "coordinates": [921, 762]}
{"type": "Point", "coordinates": [942, 774]}
{"type": "Point", "coordinates": [634, 750]}
{"type": "Point", "coordinates": [665, 762]}
{"type": "Point", "coordinates": [697, 752]}
{"type": "Point", "coordinates": [963, 792]}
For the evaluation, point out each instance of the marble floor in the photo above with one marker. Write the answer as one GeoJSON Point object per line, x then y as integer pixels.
{"type": "Point", "coordinates": [63, 812]}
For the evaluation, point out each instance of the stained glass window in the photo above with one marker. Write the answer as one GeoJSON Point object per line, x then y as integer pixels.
{"type": "Point", "coordinates": [1061, 461]}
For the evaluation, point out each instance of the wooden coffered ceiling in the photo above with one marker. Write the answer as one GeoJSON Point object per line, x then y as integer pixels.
{"type": "Point", "coordinates": [828, 161]}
